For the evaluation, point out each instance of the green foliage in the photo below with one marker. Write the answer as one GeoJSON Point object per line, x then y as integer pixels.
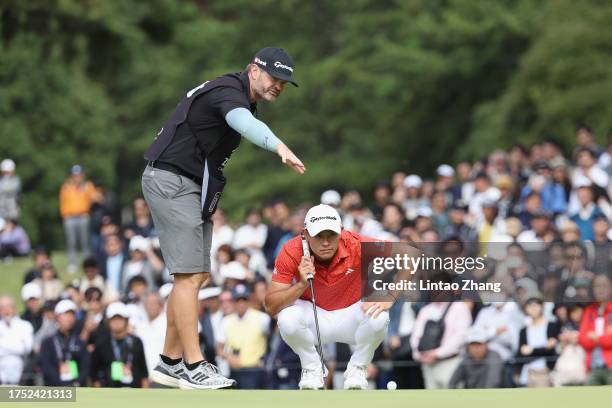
{"type": "Point", "coordinates": [384, 85]}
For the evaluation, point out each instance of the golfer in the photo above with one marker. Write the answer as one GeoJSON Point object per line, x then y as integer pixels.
{"type": "Point", "coordinates": [182, 185]}
{"type": "Point", "coordinates": [336, 265]}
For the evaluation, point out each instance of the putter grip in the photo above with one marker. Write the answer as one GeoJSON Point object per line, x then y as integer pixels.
{"type": "Point", "coordinates": [306, 252]}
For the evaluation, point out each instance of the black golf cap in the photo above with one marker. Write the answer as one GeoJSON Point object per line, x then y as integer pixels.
{"type": "Point", "coordinates": [276, 62]}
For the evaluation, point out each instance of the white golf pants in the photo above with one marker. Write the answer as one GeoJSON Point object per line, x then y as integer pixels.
{"type": "Point", "coordinates": [350, 325]}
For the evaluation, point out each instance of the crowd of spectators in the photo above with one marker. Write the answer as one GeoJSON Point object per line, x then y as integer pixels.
{"type": "Point", "coordinates": [542, 216]}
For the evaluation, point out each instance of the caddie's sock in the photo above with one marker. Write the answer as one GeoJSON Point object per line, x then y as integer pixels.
{"type": "Point", "coordinates": [170, 361]}
{"type": "Point", "coordinates": [193, 366]}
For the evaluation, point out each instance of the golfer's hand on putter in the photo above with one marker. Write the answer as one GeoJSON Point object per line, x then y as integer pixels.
{"type": "Point", "coordinates": [306, 268]}
{"type": "Point", "coordinates": [290, 159]}
{"type": "Point", "coordinates": [373, 309]}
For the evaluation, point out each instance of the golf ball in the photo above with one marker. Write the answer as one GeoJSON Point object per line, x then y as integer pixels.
{"type": "Point", "coordinates": [391, 385]}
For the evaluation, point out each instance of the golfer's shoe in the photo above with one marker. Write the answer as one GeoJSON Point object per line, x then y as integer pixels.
{"type": "Point", "coordinates": [205, 377]}
{"type": "Point", "coordinates": [355, 378]}
{"type": "Point", "coordinates": [312, 379]}
{"type": "Point", "coordinates": [168, 375]}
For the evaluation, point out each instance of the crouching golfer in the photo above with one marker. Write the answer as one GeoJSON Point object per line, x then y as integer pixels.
{"type": "Point", "coordinates": [335, 263]}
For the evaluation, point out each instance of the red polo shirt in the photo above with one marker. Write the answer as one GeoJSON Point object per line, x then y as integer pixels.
{"type": "Point", "coordinates": [337, 285]}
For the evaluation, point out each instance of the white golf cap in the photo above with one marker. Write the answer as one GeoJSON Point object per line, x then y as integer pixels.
{"type": "Point", "coordinates": [164, 290]}
{"type": "Point", "coordinates": [322, 217]}
{"type": "Point", "coordinates": [31, 290]}
{"type": "Point", "coordinates": [445, 170]}
{"type": "Point", "coordinates": [233, 270]}
{"type": "Point", "coordinates": [424, 211]}
{"type": "Point", "coordinates": [331, 197]}
{"type": "Point", "coordinates": [477, 335]}
{"type": "Point", "coordinates": [64, 306]}
{"type": "Point", "coordinates": [117, 309]}
{"type": "Point", "coordinates": [208, 293]}
{"type": "Point", "coordinates": [7, 165]}
{"type": "Point", "coordinates": [582, 181]}
{"type": "Point", "coordinates": [413, 181]}
{"type": "Point", "coordinates": [139, 243]}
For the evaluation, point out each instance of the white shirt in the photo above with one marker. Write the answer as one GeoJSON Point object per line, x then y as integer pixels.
{"type": "Point", "coordinates": [248, 235]}
{"type": "Point", "coordinates": [222, 236]}
{"type": "Point", "coordinates": [16, 339]}
{"type": "Point", "coordinates": [492, 318]}
{"type": "Point", "coordinates": [152, 333]}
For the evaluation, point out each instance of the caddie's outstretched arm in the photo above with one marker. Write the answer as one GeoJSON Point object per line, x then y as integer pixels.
{"type": "Point", "coordinates": [258, 133]}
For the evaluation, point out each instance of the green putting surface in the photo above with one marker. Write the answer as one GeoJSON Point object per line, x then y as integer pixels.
{"type": "Point", "coordinates": [574, 397]}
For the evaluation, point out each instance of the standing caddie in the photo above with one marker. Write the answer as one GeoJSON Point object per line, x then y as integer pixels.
{"type": "Point", "coordinates": [183, 183]}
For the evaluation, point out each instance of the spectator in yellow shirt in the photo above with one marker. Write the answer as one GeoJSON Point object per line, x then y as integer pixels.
{"type": "Point", "coordinates": [245, 340]}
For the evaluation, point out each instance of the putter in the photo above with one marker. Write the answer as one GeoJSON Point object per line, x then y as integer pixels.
{"type": "Point", "coordinates": [310, 278]}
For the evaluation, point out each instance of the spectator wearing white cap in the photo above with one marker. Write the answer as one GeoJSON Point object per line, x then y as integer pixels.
{"type": "Point", "coordinates": [142, 261]}
{"type": "Point", "coordinates": [10, 189]}
{"type": "Point", "coordinates": [483, 191]}
{"type": "Point", "coordinates": [331, 198]}
{"type": "Point", "coordinates": [31, 294]}
{"type": "Point", "coordinates": [152, 329]}
{"type": "Point", "coordinates": [16, 337]}
{"type": "Point", "coordinates": [480, 367]}
{"type": "Point", "coordinates": [119, 359]}
{"type": "Point", "coordinates": [445, 181]}
{"type": "Point", "coordinates": [233, 273]}
{"type": "Point", "coordinates": [64, 359]}
{"type": "Point", "coordinates": [414, 199]}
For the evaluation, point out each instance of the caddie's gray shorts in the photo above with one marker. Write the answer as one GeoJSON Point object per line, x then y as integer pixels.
{"type": "Point", "coordinates": [175, 206]}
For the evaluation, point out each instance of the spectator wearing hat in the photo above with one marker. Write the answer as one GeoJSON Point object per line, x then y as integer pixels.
{"type": "Point", "coordinates": [596, 333]}
{"type": "Point", "coordinates": [64, 359]}
{"type": "Point", "coordinates": [41, 256]}
{"type": "Point", "coordinates": [51, 286]}
{"type": "Point", "coordinates": [459, 228]}
{"type": "Point", "coordinates": [119, 359]}
{"type": "Point", "coordinates": [233, 273]}
{"type": "Point", "coordinates": [152, 329]}
{"type": "Point", "coordinates": [331, 198]}
{"type": "Point", "coordinates": [76, 196]}
{"type": "Point", "coordinates": [588, 211]}
{"type": "Point", "coordinates": [445, 181]}
{"type": "Point", "coordinates": [31, 294]}
{"type": "Point", "coordinates": [16, 338]}
{"type": "Point", "coordinates": [143, 262]}
{"type": "Point", "coordinates": [537, 344]}
{"type": "Point", "coordinates": [244, 340]}
{"type": "Point", "coordinates": [10, 190]}
{"type": "Point", "coordinates": [481, 367]}
{"type": "Point", "coordinates": [414, 199]}
{"type": "Point", "coordinates": [14, 241]}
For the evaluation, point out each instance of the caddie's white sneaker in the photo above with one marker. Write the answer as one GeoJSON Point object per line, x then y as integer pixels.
{"type": "Point", "coordinates": [355, 378]}
{"type": "Point", "coordinates": [311, 380]}
{"type": "Point", "coordinates": [205, 377]}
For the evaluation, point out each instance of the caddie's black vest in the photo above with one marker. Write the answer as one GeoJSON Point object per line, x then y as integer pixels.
{"type": "Point", "coordinates": [215, 160]}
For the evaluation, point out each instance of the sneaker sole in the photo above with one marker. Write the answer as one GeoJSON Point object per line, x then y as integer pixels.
{"type": "Point", "coordinates": [186, 385]}
{"type": "Point", "coordinates": [354, 387]}
{"type": "Point", "coordinates": [163, 379]}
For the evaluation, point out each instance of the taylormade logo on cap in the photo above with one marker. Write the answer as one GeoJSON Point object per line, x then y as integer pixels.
{"type": "Point", "coordinates": [322, 217]}
{"type": "Point", "coordinates": [264, 63]}
{"type": "Point", "coordinates": [279, 64]}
